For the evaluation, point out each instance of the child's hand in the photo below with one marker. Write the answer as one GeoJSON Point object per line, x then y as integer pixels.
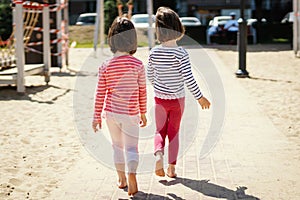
{"type": "Point", "coordinates": [204, 102]}
{"type": "Point", "coordinates": [95, 124]}
{"type": "Point", "coordinates": [143, 121]}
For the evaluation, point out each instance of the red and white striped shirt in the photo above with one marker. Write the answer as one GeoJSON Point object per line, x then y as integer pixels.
{"type": "Point", "coordinates": [121, 86]}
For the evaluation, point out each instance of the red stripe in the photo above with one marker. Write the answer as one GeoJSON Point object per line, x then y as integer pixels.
{"type": "Point", "coordinates": [122, 81]}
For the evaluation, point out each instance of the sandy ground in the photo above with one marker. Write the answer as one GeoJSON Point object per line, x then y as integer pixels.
{"type": "Point", "coordinates": [38, 141]}
{"type": "Point", "coordinates": [274, 81]}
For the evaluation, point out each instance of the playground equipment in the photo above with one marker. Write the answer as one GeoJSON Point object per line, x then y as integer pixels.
{"type": "Point", "coordinates": [13, 69]}
{"type": "Point", "coordinates": [58, 36]}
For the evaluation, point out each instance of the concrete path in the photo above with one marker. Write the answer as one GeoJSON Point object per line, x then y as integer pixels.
{"type": "Point", "coordinates": [251, 159]}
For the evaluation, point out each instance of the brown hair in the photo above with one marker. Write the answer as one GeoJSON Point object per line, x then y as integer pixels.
{"type": "Point", "coordinates": [167, 24]}
{"type": "Point", "coordinates": [122, 36]}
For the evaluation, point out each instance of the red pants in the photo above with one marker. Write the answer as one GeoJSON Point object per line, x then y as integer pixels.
{"type": "Point", "coordinates": [168, 114]}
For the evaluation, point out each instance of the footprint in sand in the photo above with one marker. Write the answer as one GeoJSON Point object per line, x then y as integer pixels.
{"type": "Point", "coordinates": [25, 141]}
{"type": "Point", "coordinates": [15, 181]}
{"type": "Point", "coordinates": [12, 170]}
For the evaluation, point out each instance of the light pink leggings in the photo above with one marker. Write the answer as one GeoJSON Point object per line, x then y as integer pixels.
{"type": "Point", "coordinates": [124, 132]}
{"type": "Point", "coordinates": [168, 114]}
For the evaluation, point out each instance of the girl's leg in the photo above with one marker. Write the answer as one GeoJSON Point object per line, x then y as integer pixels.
{"type": "Point", "coordinates": [175, 115]}
{"type": "Point", "coordinates": [117, 144]}
{"type": "Point", "coordinates": [132, 184]}
{"type": "Point", "coordinates": [130, 131]}
{"type": "Point", "coordinates": [122, 183]}
{"type": "Point", "coordinates": [161, 119]}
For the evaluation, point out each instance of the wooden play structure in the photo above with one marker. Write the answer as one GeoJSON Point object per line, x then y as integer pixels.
{"type": "Point", "coordinates": [120, 7]}
{"type": "Point", "coordinates": [13, 69]}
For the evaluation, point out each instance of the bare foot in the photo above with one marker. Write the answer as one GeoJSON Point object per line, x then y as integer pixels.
{"type": "Point", "coordinates": [122, 183]}
{"type": "Point", "coordinates": [159, 167]}
{"type": "Point", "coordinates": [171, 171]}
{"type": "Point", "coordinates": [132, 184]}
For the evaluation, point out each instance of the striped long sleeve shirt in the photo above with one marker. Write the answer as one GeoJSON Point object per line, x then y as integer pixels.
{"type": "Point", "coordinates": [169, 69]}
{"type": "Point", "coordinates": [121, 87]}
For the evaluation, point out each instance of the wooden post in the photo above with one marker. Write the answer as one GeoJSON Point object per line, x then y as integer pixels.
{"type": "Point", "coordinates": [66, 18]}
{"type": "Point", "coordinates": [130, 8]}
{"type": "Point", "coordinates": [59, 34]}
{"type": "Point", "coordinates": [120, 6]}
{"type": "Point", "coordinates": [19, 36]}
{"type": "Point", "coordinates": [46, 43]}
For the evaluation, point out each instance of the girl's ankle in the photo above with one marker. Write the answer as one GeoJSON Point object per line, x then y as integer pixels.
{"type": "Point", "coordinates": [172, 166]}
{"type": "Point", "coordinates": [159, 155]}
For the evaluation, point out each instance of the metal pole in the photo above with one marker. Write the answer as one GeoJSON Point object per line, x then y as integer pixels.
{"type": "Point", "coordinates": [296, 27]}
{"type": "Point", "coordinates": [150, 20]}
{"type": "Point", "coordinates": [96, 31]}
{"type": "Point", "coordinates": [242, 43]}
{"type": "Point", "coordinates": [102, 21]}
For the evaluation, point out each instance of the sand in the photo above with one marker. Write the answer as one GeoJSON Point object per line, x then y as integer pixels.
{"type": "Point", "coordinates": [38, 139]}
{"type": "Point", "coordinates": [274, 82]}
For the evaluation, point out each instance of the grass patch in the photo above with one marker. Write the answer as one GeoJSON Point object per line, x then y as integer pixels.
{"type": "Point", "coordinates": [280, 40]}
{"type": "Point", "coordinates": [84, 37]}
{"type": "Point", "coordinates": [88, 45]}
{"type": "Point", "coordinates": [84, 45]}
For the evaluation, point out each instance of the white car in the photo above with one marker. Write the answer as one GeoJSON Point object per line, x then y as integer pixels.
{"type": "Point", "coordinates": [216, 27]}
{"type": "Point", "coordinates": [219, 20]}
{"type": "Point", "coordinates": [86, 19]}
{"type": "Point", "coordinates": [141, 21]}
{"type": "Point", "coordinates": [190, 21]}
{"type": "Point", "coordinates": [288, 18]}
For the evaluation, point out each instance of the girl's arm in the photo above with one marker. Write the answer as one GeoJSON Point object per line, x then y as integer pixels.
{"type": "Point", "coordinates": [99, 97]}
{"type": "Point", "coordinates": [142, 90]}
{"type": "Point", "coordinates": [192, 84]}
{"type": "Point", "coordinates": [189, 80]}
{"type": "Point", "coordinates": [150, 70]}
{"type": "Point", "coordinates": [142, 96]}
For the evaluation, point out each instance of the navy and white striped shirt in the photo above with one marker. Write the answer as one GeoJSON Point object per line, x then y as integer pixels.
{"type": "Point", "coordinates": [169, 69]}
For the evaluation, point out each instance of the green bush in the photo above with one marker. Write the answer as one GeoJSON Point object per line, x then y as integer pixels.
{"type": "Point", "coordinates": [110, 13]}
{"type": "Point", "coordinates": [5, 19]}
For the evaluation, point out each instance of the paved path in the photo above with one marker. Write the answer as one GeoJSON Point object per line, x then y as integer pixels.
{"type": "Point", "coordinates": [251, 159]}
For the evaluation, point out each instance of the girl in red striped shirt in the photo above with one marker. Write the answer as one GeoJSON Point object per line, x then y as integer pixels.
{"type": "Point", "coordinates": [121, 93]}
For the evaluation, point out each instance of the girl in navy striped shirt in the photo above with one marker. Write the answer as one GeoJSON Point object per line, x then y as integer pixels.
{"type": "Point", "coordinates": [169, 69]}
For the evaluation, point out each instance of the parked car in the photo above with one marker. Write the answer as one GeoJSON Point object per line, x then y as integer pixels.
{"type": "Point", "coordinates": [86, 19]}
{"type": "Point", "coordinates": [288, 18]}
{"type": "Point", "coordinates": [219, 20]}
{"type": "Point", "coordinates": [140, 21]}
{"type": "Point", "coordinates": [287, 24]}
{"type": "Point", "coordinates": [215, 28]}
{"type": "Point", "coordinates": [190, 21]}
{"type": "Point", "coordinates": [216, 33]}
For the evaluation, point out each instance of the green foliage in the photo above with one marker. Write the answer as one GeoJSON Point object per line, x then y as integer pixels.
{"type": "Point", "coordinates": [110, 13]}
{"type": "Point", "coordinates": [5, 19]}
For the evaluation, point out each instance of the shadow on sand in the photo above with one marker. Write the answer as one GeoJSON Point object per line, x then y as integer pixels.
{"type": "Point", "coordinates": [8, 93]}
{"type": "Point", "coordinates": [201, 186]}
{"type": "Point", "coordinates": [210, 189]}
